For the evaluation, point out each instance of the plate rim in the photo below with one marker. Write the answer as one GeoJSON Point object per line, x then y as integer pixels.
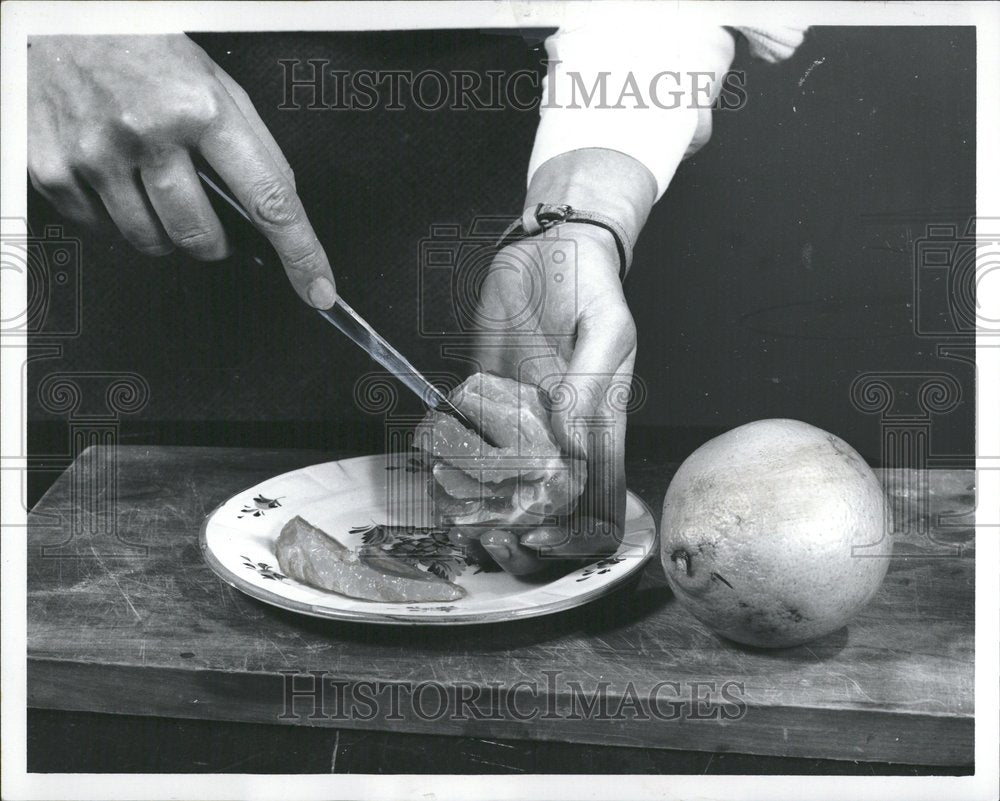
{"type": "Point", "coordinates": [235, 581]}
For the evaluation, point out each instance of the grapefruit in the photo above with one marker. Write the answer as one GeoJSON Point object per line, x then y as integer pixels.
{"type": "Point", "coordinates": [775, 533]}
{"type": "Point", "coordinates": [522, 481]}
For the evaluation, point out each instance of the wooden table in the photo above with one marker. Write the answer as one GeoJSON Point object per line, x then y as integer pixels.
{"type": "Point", "coordinates": [124, 617]}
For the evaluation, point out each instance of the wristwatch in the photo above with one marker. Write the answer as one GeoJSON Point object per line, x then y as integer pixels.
{"type": "Point", "coordinates": [543, 216]}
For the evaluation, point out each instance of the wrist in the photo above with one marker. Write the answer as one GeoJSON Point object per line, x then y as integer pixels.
{"type": "Point", "coordinates": [600, 237]}
{"type": "Point", "coordinates": [541, 217]}
{"type": "Point", "coordinates": [599, 180]}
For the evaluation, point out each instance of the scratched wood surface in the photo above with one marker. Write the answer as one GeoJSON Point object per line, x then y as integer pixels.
{"type": "Point", "coordinates": [124, 617]}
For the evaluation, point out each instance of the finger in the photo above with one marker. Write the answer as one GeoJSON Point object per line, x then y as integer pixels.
{"type": "Point", "coordinates": [185, 213]}
{"type": "Point", "coordinates": [604, 494]}
{"type": "Point", "coordinates": [245, 164]}
{"type": "Point", "coordinates": [464, 534]}
{"type": "Point", "coordinates": [586, 538]}
{"type": "Point", "coordinates": [605, 340]}
{"type": "Point", "coordinates": [466, 538]}
{"type": "Point", "coordinates": [125, 199]}
{"type": "Point", "coordinates": [509, 553]}
{"type": "Point", "coordinates": [541, 366]}
{"type": "Point", "coordinates": [246, 107]}
{"type": "Point", "coordinates": [488, 357]}
{"type": "Point", "coordinates": [69, 196]}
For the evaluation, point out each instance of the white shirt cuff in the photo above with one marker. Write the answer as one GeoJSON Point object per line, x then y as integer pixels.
{"type": "Point", "coordinates": [660, 80]}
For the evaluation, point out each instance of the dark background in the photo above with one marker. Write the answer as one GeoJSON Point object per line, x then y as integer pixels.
{"type": "Point", "coordinates": [779, 266]}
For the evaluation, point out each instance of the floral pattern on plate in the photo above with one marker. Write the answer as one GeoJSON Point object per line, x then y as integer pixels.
{"type": "Point", "coordinates": [258, 506]}
{"type": "Point", "coordinates": [354, 501]}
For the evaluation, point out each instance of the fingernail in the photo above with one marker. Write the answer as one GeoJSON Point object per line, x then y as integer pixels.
{"type": "Point", "coordinates": [321, 293]}
{"type": "Point", "coordinates": [499, 552]}
{"type": "Point", "coordinates": [542, 537]}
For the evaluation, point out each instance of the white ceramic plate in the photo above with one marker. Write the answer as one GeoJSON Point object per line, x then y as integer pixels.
{"type": "Point", "coordinates": [348, 497]}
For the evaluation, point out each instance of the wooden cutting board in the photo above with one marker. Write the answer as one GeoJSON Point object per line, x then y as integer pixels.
{"type": "Point", "coordinates": [124, 617]}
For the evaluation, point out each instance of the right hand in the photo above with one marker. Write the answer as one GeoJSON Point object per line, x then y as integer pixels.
{"type": "Point", "coordinates": [114, 122]}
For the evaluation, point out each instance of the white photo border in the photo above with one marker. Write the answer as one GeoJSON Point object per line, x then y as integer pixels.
{"type": "Point", "coordinates": [19, 19]}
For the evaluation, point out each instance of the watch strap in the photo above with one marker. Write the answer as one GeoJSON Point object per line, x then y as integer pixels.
{"type": "Point", "coordinates": [543, 216]}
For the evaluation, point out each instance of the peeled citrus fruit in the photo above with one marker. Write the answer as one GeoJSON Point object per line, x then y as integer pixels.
{"type": "Point", "coordinates": [523, 480]}
{"type": "Point", "coordinates": [775, 533]}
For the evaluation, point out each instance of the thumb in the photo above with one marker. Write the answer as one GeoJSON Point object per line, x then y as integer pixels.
{"type": "Point", "coordinates": [580, 407]}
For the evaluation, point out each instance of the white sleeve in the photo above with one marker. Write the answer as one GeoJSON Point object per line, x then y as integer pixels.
{"type": "Point", "coordinates": [775, 42]}
{"type": "Point", "coordinates": [641, 82]}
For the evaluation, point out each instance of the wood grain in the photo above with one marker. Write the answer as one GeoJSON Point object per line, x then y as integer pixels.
{"type": "Point", "coordinates": [124, 617]}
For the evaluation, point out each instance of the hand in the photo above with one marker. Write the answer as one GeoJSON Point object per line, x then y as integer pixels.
{"type": "Point", "coordinates": [552, 313]}
{"type": "Point", "coordinates": [114, 122]}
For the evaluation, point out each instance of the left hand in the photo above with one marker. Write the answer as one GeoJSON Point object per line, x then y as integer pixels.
{"type": "Point", "coordinates": [552, 313]}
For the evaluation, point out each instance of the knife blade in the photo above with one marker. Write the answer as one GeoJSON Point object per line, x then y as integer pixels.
{"type": "Point", "coordinates": [356, 329]}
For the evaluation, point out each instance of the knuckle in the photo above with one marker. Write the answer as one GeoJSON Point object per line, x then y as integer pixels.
{"type": "Point", "coordinates": [586, 403]}
{"type": "Point", "coordinates": [188, 110]}
{"type": "Point", "coordinates": [274, 204]}
{"type": "Point", "coordinates": [90, 152]}
{"type": "Point", "coordinates": [202, 106]}
{"type": "Point", "coordinates": [612, 319]}
{"type": "Point", "coordinates": [195, 238]}
{"type": "Point", "coordinates": [50, 178]}
{"type": "Point", "coordinates": [160, 181]}
{"type": "Point", "coordinates": [136, 124]}
{"type": "Point", "coordinates": [628, 332]}
{"type": "Point", "coordinates": [592, 392]}
{"type": "Point", "coordinates": [304, 262]}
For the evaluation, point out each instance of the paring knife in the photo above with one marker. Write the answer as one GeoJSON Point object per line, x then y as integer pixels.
{"type": "Point", "coordinates": [354, 327]}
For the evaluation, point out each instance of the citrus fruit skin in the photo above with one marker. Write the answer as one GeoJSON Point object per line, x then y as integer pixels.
{"type": "Point", "coordinates": [775, 533]}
